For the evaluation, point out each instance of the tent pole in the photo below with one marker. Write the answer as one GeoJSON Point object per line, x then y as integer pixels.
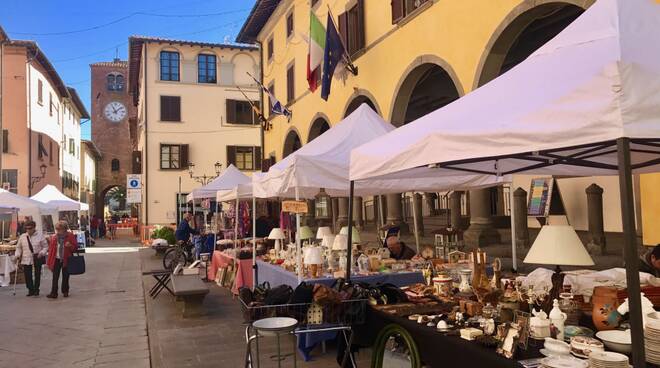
{"type": "Point", "coordinates": [415, 221]}
{"type": "Point", "coordinates": [216, 215]}
{"type": "Point", "coordinates": [254, 240]}
{"type": "Point", "coordinates": [236, 211]}
{"type": "Point", "coordinates": [514, 250]}
{"type": "Point", "coordinates": [298, 242]}
{"type": "Point", "coordinates": [381, 214]}
{"type": "Point", "coordinates": [349, 241]}
{"type": "Point", "coordinates": [631, 255]}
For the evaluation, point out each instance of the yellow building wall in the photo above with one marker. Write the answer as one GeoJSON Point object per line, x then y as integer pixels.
{"type": "Point", "coordinates": [650, 193]}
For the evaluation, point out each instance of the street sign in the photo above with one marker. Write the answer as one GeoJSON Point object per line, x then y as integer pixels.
{"type": "Point", "coordinates": [133, 195]}
{"type": "Point", "coordinates": [294, 206]}
{"type": "Point", "coordinates": [133, 181]}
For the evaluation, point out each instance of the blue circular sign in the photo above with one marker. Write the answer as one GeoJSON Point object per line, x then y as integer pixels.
{"type": "Point", "coordinates": [134, 183]}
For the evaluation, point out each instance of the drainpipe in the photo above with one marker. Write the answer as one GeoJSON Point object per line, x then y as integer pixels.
{"type": "Point", "coordinates": [146, 140]}
{"type": "Point", "coordinates": [2, 50]}
{"type": "Point", "coordinates": [29, 111]}
{"type": "Point", "coordinates": [261, 99]}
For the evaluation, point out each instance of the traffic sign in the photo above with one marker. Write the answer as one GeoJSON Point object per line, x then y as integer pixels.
{"type": "Point", "coordinates": [133, 195]}
{"type": "Point", "coordinates": [134, 181]}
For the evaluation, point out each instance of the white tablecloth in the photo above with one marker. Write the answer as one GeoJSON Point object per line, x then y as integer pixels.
{"type": "Point", "coordinates": [6, 268]}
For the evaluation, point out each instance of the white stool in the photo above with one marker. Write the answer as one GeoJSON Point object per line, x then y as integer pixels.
{"type": "Point", "coordinates": [270, 327]}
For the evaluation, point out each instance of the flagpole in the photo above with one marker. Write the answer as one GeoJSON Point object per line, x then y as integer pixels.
{"type": "Point", "coordinates": [255, 109]}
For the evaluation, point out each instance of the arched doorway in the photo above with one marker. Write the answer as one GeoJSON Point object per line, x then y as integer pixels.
{"type": "Point", "coordinates": [319, 126]}
{"type": "Point", "coordinates": [292, 143]}
{"type": "Point", "coordinates": [524, 31]}
{"type": "Point", "coordinates": [427, 87]}
{"type": "Point", "coordinates": [357, 101]}
{"type": "Point", "coordinates": [114, 201]}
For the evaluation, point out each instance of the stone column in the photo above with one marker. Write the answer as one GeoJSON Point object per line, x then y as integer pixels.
{"type": "Point", "coordinates": [595, 216]}
{"type": "Point", "coordinates": [342, 216]}
{"type": "Point", "coordinates": [520, 211]}
{"type": "Point", "coordinates": [357, 213]}
{"type": "Point", "coordinates": [430, 203]}
{"type": "Point", "coordinates": [420, 214]}
{"type": "Point", "coordinates": [455, 209]}
{"type": "Point", "coordinates": [395, 213]}
{"type": "Point", "coordinates": [481, 231]}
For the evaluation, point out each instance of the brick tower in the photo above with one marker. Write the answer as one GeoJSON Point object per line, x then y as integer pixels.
{"type": "Point", "coordinates": [111, 109]}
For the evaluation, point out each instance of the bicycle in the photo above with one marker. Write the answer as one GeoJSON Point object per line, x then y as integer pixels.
{"type": "Point", "coordinates": [182, 253]}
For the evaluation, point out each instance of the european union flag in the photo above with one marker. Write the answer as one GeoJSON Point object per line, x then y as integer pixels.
{"type": "Point", "coordinates": [332, 56]}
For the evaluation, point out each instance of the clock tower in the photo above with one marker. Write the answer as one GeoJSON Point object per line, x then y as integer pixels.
{"type": "Point", "coordinates": [111, 109]}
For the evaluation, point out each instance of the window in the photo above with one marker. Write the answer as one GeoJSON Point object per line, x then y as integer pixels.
{"type": "Point", "coordinates": [289, 25]}
{"type": "Point", "coordinates": [40, 92]}
{"type": "Point", "coordinates": [290, 84]}
{"type": "Point", "coordinates": [64, 141]}
{"type": "Point", "coordinates": [170, 108]}
{"type": "Point", "coordinates": [169, 66]}
{"type": "Point", "coordinates": [72, 146]}
{"type": "Point", "coordinates": [351, 28]}
{"type": "Point", "coordinates": [314, 3]}
{"type": "Point", "coordinates": [115, 82]}
{"type": "Point", "coordinates": [271, 49]}
{"type": "Point", "coordinates": [244, 157]}
{"type": "Point", "coordinates": [10, 180]}
{"type": "Point", "coordinates": [50, 103]}
{"type": "Point", "coordinates": [5, 140]}
{"type": "Point", "coordinates": [114, 165]}
{"type": "Point", "coordinates": [402, 8]}
{"type": "Point", "coordinates": [173, 156]}
{"type": "Point", "coordinates": [41, 150]}
{"type": "Point", "coordinates": [240, 112]}
{"type": "Point", "coordinates": [206, 69]}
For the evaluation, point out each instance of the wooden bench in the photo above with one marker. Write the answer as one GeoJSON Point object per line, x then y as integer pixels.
{"type": "Point", "coordinates": [190, 290]}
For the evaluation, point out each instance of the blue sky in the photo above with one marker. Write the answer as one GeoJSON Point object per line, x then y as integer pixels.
{"type": "Point", "coordinates": [72, 51]}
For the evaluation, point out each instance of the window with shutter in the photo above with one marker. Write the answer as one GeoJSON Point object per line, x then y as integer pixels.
{"type": "Point", "coordinates": [40, 92]}
{"type": "Point", "coordinates": [183, 157]}
{"type": "Point", "coordinates": [289, 25]}
{"type": "Point", "coordinates": [314, 3]}
{"type": "Point", "coordinates": [257, 158]}
{"type": "Point", "coordinates": [290, 84]}
{"type": "Point", "coordinates": [5, 141]}
{"type": "Point", "coordinates": [271, 49]}
{"type": "Point", "coordinates": [174, 156]}
{"type": "Point", "coordinates": [271, 88]}
{"type": "Point", "coordinates": [231, 111]}
{"type": "Point", "coordinates": [402, 8]}
{"type": "Point", "coordinates": [397, 11]}
{"type": "Point", "coordinates": [343, 28]}
{"type": "Point", "coordinates": [231, 155]}
{"type": "Point", "coordinates": [351, 28]}
{"type": "Point", "coordinates": [170, 108]}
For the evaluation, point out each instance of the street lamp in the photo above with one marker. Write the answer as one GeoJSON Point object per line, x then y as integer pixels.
{"type": "Point", "coordinates": [35, 179]}
{"type": "Point", "coordinates": [204, 179]}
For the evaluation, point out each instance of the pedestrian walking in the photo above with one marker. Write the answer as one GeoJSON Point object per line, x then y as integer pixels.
{"type": "Point", "coordinates": [60, 247]}
{"type": "Point", "coordinates": [94, 226]}
{"type": "Point", "coordinates": [30, 253]}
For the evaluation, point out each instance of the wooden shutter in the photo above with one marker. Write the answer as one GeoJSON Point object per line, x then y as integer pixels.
{"type": "Point", "coordinates": [266, 164]}
{"type": "Point", "coordinates": [359, 26]}
{"type": "Point", "coordinates": [137, 162]}
{"type": "Point", "coordinates": [397, 10]}
{"type": "Point", "coordinates": [231, 111]}
{"type": "Point", "coordinates": [343, 28]}
{"type": "Point", "coordinates": [5, 141]}
{"type": "Point", "coordinates": [290, 86]}
{"type": "Point", "coordinates": [231, 155]}
{"type": "Point", "coordinates": [170, 108]}
{"type": "Point", "coordinates": [256, 156]}
{"type": "Point", "coordinates": [183, 157]}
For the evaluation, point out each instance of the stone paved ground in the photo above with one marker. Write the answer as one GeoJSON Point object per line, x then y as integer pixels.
{"type": "Point", "coordinates": [102, 324]}
{"type": "Point", "coordinates": [214, 340]}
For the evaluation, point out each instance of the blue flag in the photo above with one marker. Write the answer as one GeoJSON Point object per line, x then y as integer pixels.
{"type": "Point", "coordinates": [276, 107]}
{"type": "Point", "coordinates": [333, 54]}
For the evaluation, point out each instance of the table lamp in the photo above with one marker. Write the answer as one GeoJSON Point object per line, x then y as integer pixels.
{"type": "Point", "coordinates": [278, 235]}
{"type": "Point", "coordinates": [558, 245]}
{"type": "Point", "coordinates": [305, 233]}
{"type": "Point", "coordinates": [356, 234]}
{"type": "Point", "coordinates": [313, 258]}
{"type": "Point", "coordinates": [328, 241]}
{"type": "Point", "coordinates": [322, 232]}
{"type": "Point", "coordinates": [341, 244]}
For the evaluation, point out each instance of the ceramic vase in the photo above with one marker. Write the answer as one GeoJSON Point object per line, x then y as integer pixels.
{"type": "Point", "coordinates": [605, 303]}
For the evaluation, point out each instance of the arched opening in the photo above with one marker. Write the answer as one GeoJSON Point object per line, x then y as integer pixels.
{"type": "Point", "coordinates": [291, 144]}
{"type": "Point", "coordinates": [426, 88]}
{"type": "Point", "coordinates": [525, 34]}
{"type": "Point", "coordinates": [357, 101]}
{"type": "Point", "coordinates": [319, 126]}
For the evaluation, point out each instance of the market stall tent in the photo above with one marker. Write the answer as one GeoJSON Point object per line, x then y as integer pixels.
{"type": "Point", "coordinates": [51, 196]}
{"type": "Point", "coordinates": [586, 103]}
{"type": "Point", "coordinates": [229, 179]}
{"type": "Point", "coordinates": [28, 207]}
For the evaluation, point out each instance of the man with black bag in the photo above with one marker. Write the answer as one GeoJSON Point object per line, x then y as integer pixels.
{"type": "Point", "coordinates": [30, 252]}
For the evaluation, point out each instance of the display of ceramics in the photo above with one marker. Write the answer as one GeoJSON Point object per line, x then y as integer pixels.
{"type": "Point", "coordinates": [556, 347]}
{"type": "Point", "coordinates": [605, 303]}
{"type": "Point", "coordinates": [606, 359]}
{"type": "Point", "coordinates": [616, 340]}
{"type": "Point", "coordinates": [582, 346]}
{"type": "Point", "coordinates": [652, 341]}
{"type": "Point", "coordinates": [465, 286]}
{"type": "Point", "coordinates": [564, 361]}
{"type": "Point", "coordinates": [443, 285]}
{"type": "Point", "coordinates": [570, 331]}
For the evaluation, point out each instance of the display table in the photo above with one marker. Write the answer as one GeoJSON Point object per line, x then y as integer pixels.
{"type": "Point", "coordinates": [277, 275]}
{"type": "Point", "coordinates": [6, 268]}
{"type": "Point", "coordinates": [437, 349]}
{"type": "Point", "coordinates": [243, 269]}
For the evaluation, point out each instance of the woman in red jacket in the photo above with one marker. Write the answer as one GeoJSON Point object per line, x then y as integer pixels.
{"type": "Point", "coordinates": [60, 247]}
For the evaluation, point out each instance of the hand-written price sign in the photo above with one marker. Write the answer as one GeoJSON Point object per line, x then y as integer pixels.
{"type": "Point", "coordinates": [294, 206]}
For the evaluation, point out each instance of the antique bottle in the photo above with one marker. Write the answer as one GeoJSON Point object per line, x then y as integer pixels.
{"type": "Point", "coordinates": [557, 319]}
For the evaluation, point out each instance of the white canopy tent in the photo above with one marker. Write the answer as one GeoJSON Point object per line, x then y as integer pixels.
{"type": "Point", "coordinates": [586, 103]}
{"type": "Point", "coordinates": [51, 196]}
{"type": "Point", "coordinates": [229, 179]}
{"type": "Point", "coordinates": [28, 207]}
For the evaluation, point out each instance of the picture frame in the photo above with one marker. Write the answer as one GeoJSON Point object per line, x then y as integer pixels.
{"type": "Point", "coordinates": [508, 345]}
{"type": "Point", "coordinates": [521, 320]}
{"type": "Point", "coordinates": [220, 276]}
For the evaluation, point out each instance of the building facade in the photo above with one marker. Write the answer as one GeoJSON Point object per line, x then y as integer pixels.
{"type": "Point", "coordinates": [89, 158]}
{"type": "Point", "coordinates": [111, 108]}
{"type": "Point", "coordinates": [190, 116]}
{"type": "Point", "coordinates": [414, 57]}
{"type": "Point", "coordinates": [37, 115]}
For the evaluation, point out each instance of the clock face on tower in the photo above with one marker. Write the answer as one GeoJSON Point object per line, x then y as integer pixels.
{"type": "Point", "coordinates": [115, 111]}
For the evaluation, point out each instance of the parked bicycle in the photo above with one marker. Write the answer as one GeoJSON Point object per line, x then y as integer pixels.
{"type": "Point", "coordinates": [182, 253]}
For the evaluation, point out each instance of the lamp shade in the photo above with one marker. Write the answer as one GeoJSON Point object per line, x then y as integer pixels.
{"type": "Point", "coordinates": [558, 245]}
{"type": "Point", "coordinates": [322, 232]}
{"type": "Point", "coordinates": [305, 233]}
{"type": "Point", "coordinates": [340, 242]}
{"type": "Point", "coordinates": [313, 255]}
{"type": "Point", "coordinates": [276, 234]}
{"type": "Point", "coordinates": [328, 240]}
{"type": "Point", "coordinates": [356, 234]}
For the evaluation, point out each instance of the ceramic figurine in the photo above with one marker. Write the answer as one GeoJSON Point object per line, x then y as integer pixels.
{"type": "Point", "coordinates": [558, 318]}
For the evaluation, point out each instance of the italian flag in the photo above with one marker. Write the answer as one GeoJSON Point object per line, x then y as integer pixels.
{"type": "Point", "coordinates": [315, 54]}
